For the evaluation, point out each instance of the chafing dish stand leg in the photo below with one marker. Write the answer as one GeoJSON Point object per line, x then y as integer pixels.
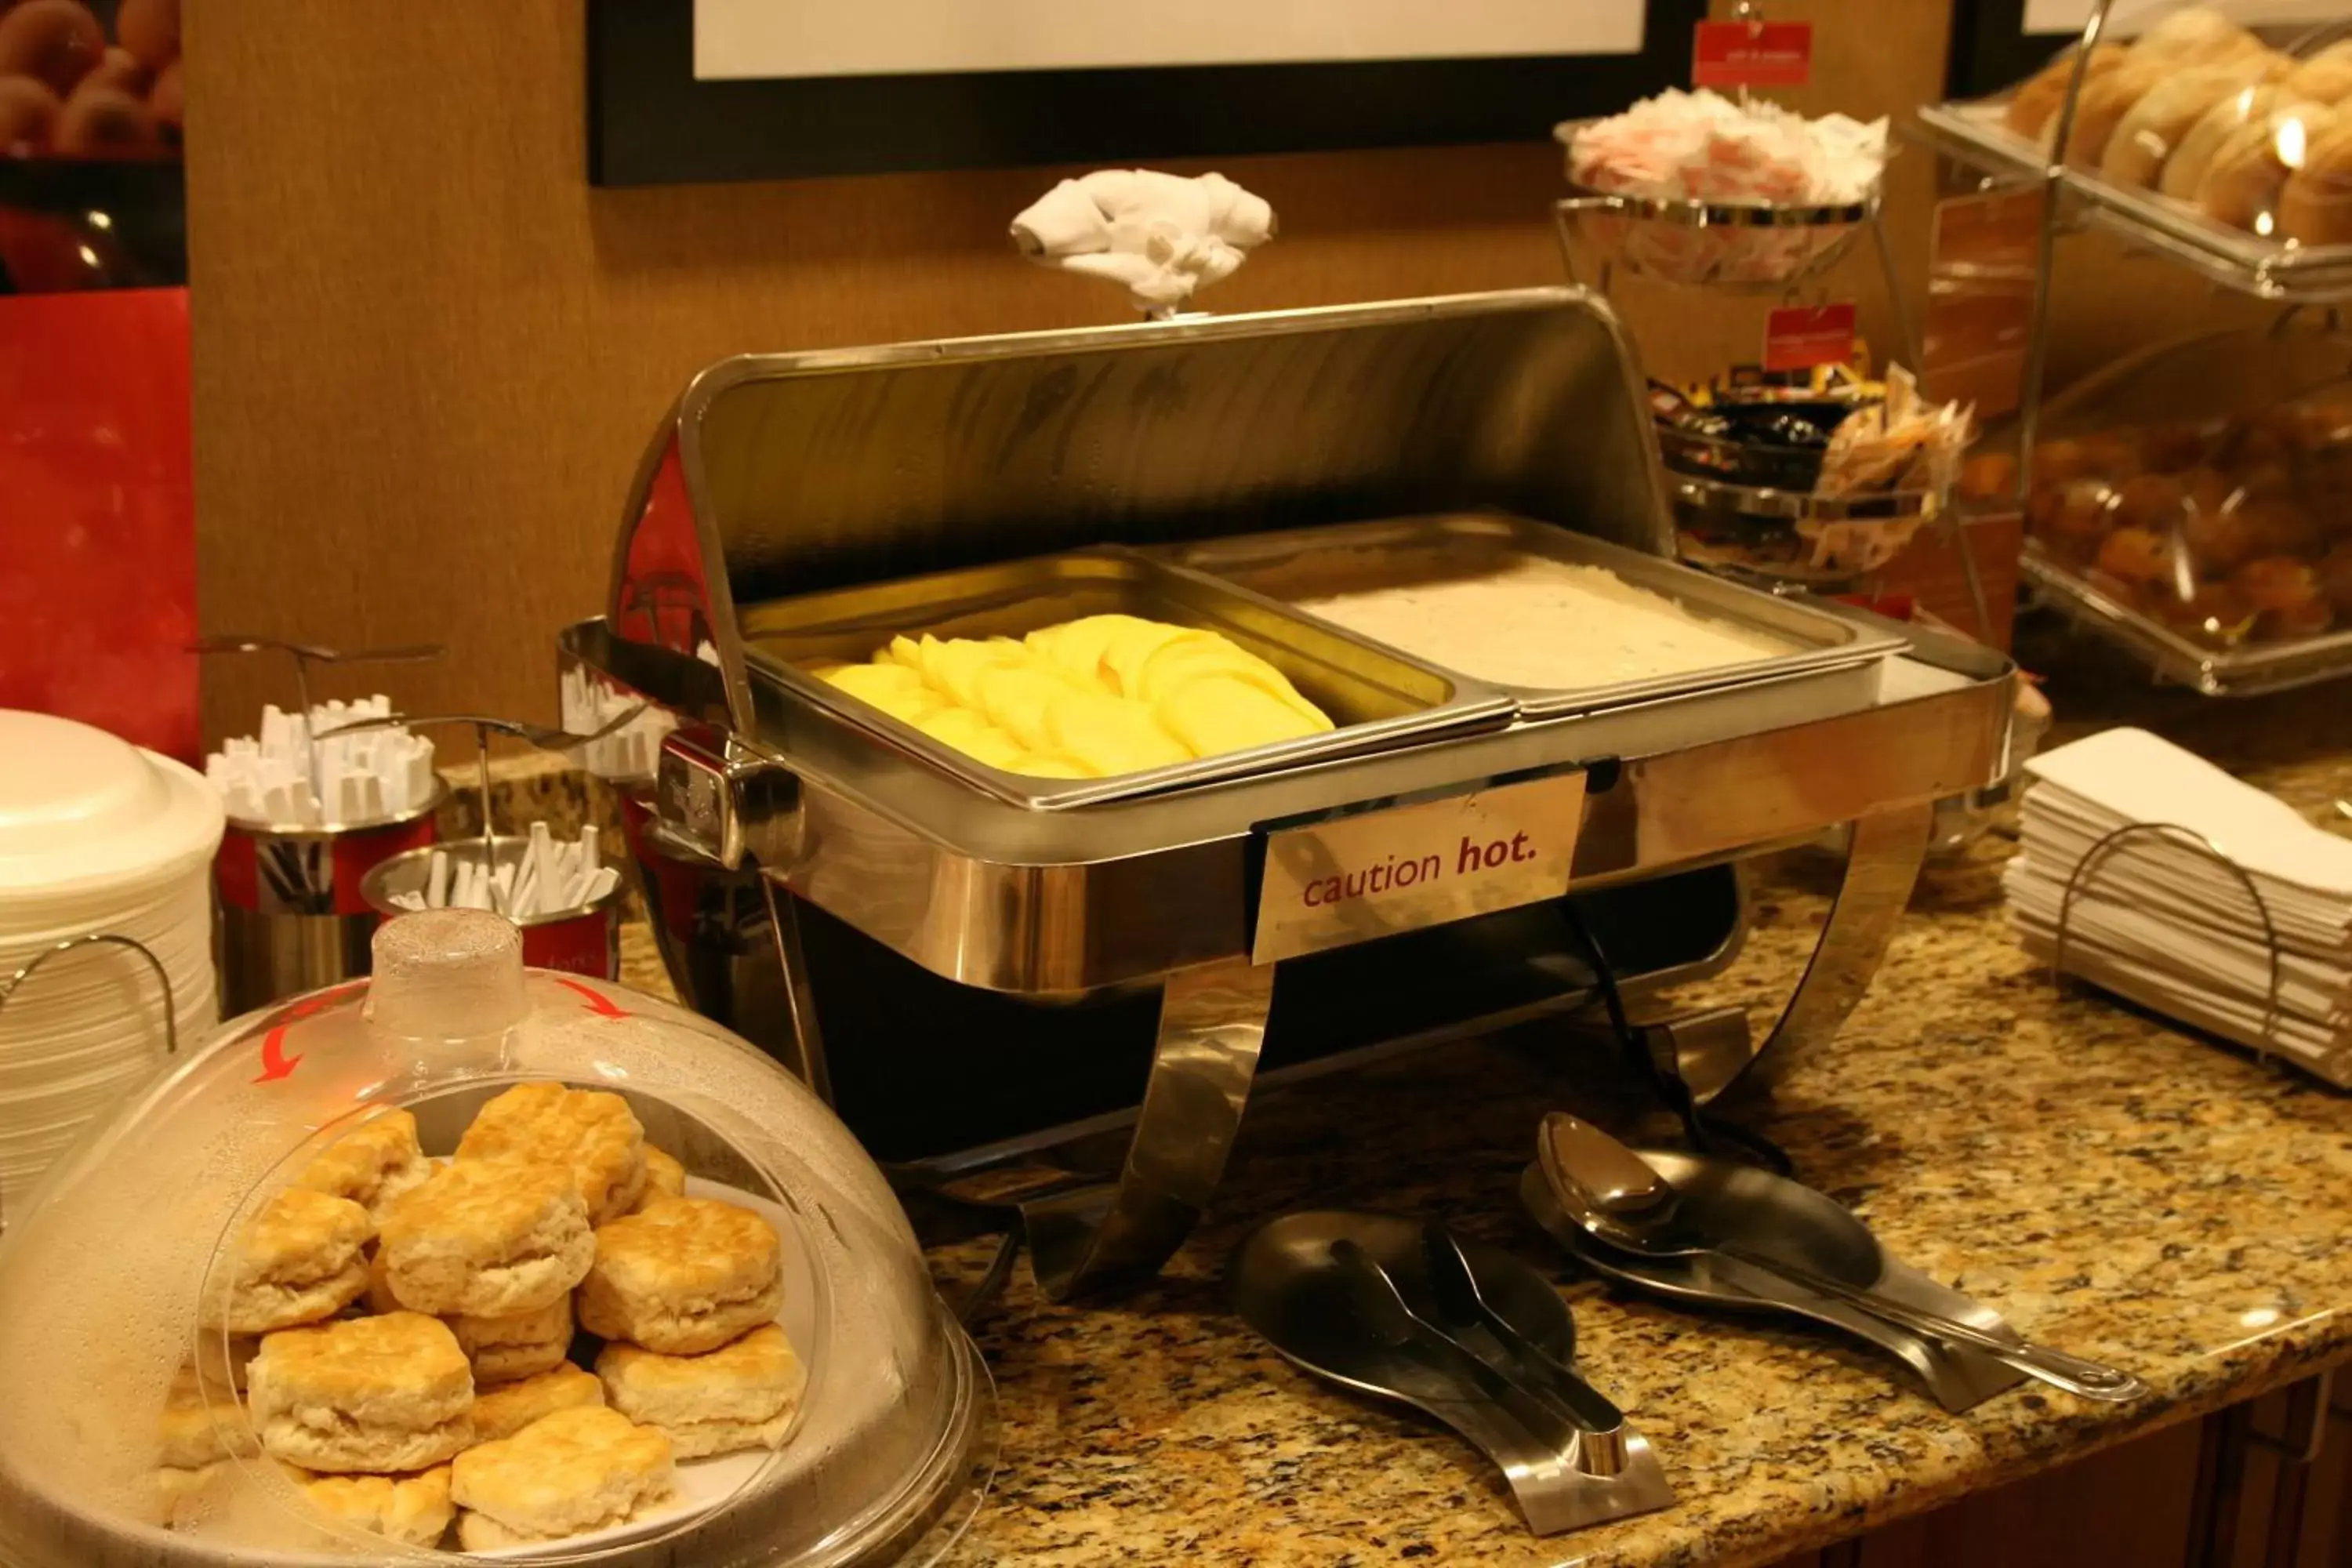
{"type": "Point", "coordinates": [1713, 1051]}
{"type": "Point", "coordinates": [1212, 1025]}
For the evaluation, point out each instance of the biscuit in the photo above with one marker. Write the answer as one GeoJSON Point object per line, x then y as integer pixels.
{"type": "Point", "coordinates": [507, 1408]}
{"type": "Point", "coordinates": [574, 1470]}
{"type": "Point", "coordinates": [683, 1278]}
{"type": "Point", "coordinates": [223, 1358]}
{"type": "Point", "coordinates": [486, 1240]}
{"type": "Point", "coordinates": [591, 1134]}
{"type": "Point", "coordinates": [380, 1297]}
{"type": "Point", "coordinates": [741, 1395]}
{"type": "Point", "coordinates": [412, 1508]}
{"type": "Point", "coordinates": [184, 1497]}
{"type": "Point", "coordinates": [297, 1261]}
{"type": "Point", "coordinates": [377, 1395]}
{"type": "Point", "coordinates": [201, 1424]}
{"type": "Point", "coordinates": [371, 1164]}
{"type": "Point", "coordinates": [520, 1345]}
{"type": "Point", "coordinates": [664, 1178]}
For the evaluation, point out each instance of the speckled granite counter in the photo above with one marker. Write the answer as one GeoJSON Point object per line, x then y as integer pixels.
{"type": "Point", "coordinates": [2117, 1188]}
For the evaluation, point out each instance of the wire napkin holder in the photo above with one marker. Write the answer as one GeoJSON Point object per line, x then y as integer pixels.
{"type": "Point", "coordinates": [2268, 1045]}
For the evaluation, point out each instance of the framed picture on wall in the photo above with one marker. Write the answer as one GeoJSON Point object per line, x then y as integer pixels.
{"type": "Point", "coordinates": [752, 89]}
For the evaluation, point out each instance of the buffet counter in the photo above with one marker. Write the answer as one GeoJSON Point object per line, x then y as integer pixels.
{"type": "Point", "coordinates": [2149, 1199]}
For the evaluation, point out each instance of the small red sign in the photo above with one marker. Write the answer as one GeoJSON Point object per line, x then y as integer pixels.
{"type": "Point", "coordinates": [1799, 337]}
{"type": "Point", "coordinates": [1752, 54]}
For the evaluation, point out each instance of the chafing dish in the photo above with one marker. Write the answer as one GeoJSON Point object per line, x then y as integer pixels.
{"type": "Point", "coordinates": [1116, 959]}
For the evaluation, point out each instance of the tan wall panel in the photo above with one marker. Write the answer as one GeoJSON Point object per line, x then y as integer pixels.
{"type": "Point", "coordinates": [427, 353]}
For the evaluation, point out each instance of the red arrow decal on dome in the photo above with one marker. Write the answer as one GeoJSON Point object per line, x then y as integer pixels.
{"type": "Point", "coordinates": [598, 1003]}
{"type": "Point", "coordinates": [275, 1063]}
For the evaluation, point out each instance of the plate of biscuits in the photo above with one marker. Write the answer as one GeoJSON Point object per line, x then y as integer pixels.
{"type": "Point", "coordinates": [547, 1340]}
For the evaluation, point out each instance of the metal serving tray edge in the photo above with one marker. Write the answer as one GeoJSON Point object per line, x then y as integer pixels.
{"type": "Point", "coordinates": [1333, 666]}
{"type": "Point", "coordinates": [1837, 645]}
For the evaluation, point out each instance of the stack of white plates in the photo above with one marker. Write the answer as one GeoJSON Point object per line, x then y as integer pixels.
{"type": "Point", "coordinates": [2181, 913]}
{"type": "Point", "coordinates": [95, 836]}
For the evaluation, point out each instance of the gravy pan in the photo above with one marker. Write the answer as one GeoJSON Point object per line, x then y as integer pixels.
{"type": "Point", "coordinates": [1376, 697]}
{"type": "Point", "coordinates": [1283, 568]}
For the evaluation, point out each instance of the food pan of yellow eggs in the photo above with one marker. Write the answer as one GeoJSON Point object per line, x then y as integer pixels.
{"type": "Point", "coordinates": [1087, 698]}
{"type": "Point", "coordinates": [555, 1335]}
{"type": "Point", "coordinates": [1100, 674]}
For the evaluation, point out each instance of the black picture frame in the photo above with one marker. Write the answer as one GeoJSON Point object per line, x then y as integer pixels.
{"type": "Point", "coordinates": [1991, 50]}
{"type": "Point", "coordinates": [651, 122]}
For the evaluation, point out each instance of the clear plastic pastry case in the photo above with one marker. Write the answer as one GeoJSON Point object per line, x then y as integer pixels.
{"type": "Point", "coordinates": [2189, 502]}
{"type": "Point", "coordinates": [137, 1430]}
{"type": "Point", "coordinates": [2184, 501]}
{"type": "Point", "coordinates": [2217, 135]}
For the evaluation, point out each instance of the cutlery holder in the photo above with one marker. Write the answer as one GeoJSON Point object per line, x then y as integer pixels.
{"type": "Point", "coordinates": [293, 916]}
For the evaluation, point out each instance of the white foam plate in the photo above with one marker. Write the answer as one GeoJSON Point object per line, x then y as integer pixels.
{"type": "Point", "coordinates": [704, 1485]}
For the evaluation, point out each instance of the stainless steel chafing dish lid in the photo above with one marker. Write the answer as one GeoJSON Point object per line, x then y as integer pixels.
{"type": "Point", "coordinates": [780, 475]}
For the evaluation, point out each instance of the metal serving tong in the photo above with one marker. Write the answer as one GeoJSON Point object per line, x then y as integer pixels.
{"type": "Point", "coordinates": [1465, 1334]}
{"type": "Point", "coordinates": [1758, 1233]}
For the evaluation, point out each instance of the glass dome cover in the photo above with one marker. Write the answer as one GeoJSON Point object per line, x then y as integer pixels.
{"type": "Point", "coordinates": [106, 1269]}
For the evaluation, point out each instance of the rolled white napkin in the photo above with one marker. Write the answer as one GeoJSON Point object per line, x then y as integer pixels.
{"type": "Point", "coordinates": [1065, 221]}
{"type": "Point", "coordinates": [1164, 237]}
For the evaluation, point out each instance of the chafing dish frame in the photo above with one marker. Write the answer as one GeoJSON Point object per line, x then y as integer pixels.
{"type": "Point", "coordinates": [1157, 890]}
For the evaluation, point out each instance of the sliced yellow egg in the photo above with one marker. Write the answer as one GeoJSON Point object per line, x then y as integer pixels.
{"type": "Point", "coordinates": [1219, 713]}
{"type": "Point", "coordinates": [997, 749]}
{"type": "Point", "coordinates": [955, 667]}
{"type": "Point", "coordinates": [1180, 663]}
{"type": "Point", "coordinates": [1049, 765]}
{"type": "Point", "coordinates": [1016, 696]}
{"type": "Point", "coordinates": [970, 733]}
{"type": "Point", "coordinates": [1078, 646]}
{"type": "Point", "coordinates": [1132, 647]}
{"type": "Point", "coordinates": [895, 690]}
{"type": "Point", "coordinates": [1111, 734]}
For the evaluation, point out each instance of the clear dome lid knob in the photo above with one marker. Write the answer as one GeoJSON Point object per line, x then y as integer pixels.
{"type": "Point", "coordinates": [447, 974]}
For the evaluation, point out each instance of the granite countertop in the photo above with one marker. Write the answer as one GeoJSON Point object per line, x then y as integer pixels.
{"type": "Point", "coordinates": [2115, 1187]}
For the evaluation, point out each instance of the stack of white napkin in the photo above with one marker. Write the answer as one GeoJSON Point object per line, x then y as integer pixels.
{"type": "Point", "coordinates": [1164, 235]}
{"type": "Point", "coordinates": [2163, 924]}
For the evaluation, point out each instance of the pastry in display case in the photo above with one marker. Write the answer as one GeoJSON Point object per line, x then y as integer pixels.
{"type": "Point", "coordinates": [471, 1262]}
{"type": "Point", "coordinates": [2217, 135]}
{"type": "Point", "coordinates": [2189, 502]}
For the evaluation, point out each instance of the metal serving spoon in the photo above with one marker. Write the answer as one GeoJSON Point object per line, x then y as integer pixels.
{"type": "Point", "coordinates": [1781, 1227]}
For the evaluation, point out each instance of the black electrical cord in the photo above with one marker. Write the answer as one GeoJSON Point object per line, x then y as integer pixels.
{"type": "Point", "coordinates": [1705, 1136]}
